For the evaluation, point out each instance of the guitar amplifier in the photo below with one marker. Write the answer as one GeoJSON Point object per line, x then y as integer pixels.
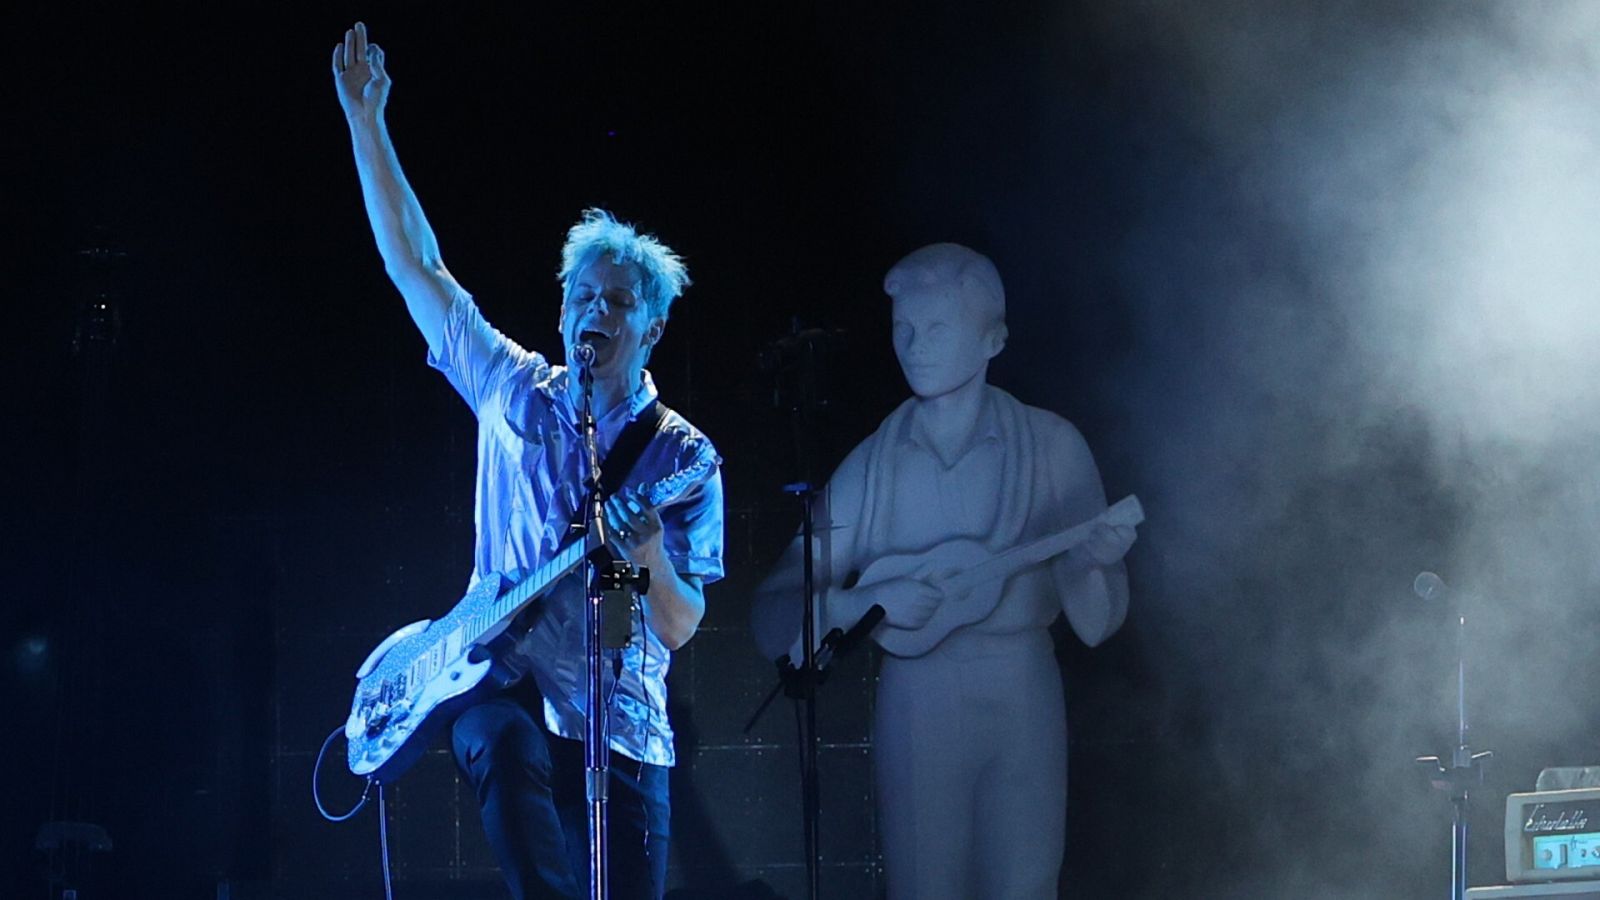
{"type": "Point", "coordinates": [1553, 836]}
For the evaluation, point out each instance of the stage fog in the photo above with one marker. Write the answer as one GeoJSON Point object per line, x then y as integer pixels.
{"type": "Point", "coordinates": [1317, 283]}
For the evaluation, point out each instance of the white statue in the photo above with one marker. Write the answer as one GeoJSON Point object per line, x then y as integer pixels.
{"type": "Point", "coordinates": [950, 516]}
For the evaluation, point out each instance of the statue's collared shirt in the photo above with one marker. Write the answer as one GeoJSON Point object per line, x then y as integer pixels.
{"type": "Point", "coordinates": [955, 497]}
{"type": "Point", "coordinates": [527, 493]}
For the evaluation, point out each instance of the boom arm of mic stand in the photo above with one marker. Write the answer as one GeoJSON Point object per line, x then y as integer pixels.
{"type": "Point", "coordinates": [792, 681]}
{"type": "Point", "coordinates": [838, 644]}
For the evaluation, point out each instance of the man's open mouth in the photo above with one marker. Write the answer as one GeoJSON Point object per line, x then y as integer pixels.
{"type": "Point", "coordinates": [591, 336]}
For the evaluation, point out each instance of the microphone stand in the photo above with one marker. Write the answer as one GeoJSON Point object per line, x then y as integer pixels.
{"type": "Point", "coordinates": [798, 353]}
{"type": "Point", "coordinates": [1465, 770]}
{"type": "Point", "coordinates": [604, 577]}
{"type": "Point", "coordinates": [805, 683]}
{"type": "Point", "coordinates": [596, 738]}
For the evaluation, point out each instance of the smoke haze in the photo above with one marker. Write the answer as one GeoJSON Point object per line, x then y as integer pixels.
{"type": "Point", "coordinates": [1362, 280]}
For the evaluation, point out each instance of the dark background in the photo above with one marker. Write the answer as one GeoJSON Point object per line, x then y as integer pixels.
{"type": "Point", "coordinates": [211, 518]}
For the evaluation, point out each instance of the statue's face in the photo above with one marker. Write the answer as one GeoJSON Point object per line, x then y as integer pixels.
{"type": "Point", "coordinates": [604, 308]}
{"type": "Point", "coordinates": [940, 339]}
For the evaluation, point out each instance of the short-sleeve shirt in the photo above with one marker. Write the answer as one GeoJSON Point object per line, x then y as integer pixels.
{"type": "Point", "coordinates": [527, 493]}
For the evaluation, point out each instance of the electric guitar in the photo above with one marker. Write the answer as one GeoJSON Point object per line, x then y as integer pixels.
{"type": "Point", "coordinates": [418, 679]}
{"type": "Point", "coordinates": [972, 577]}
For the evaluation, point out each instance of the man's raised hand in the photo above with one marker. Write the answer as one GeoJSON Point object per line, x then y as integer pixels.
{"type": "Point", "coordinates": [359, 75]}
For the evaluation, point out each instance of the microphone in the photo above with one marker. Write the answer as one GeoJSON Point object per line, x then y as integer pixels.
{"type": "Point", "coordinates": [838, 643]}
{"type": "Point", "coordinates": [859, 631]}
{"type": "Point", "coordinates": [1428, 586]}
{"type": "Point", "coordinates": [584, 354]}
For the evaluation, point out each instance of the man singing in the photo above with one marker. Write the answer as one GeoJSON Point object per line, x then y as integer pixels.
{"type": "Point", "coordinates": [522, 749]}
{"type": "Point", "coordinates": [969, 731]}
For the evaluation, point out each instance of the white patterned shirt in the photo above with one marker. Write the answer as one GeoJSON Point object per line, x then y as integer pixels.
{"type": "Point", "coordinates": [529, 485]}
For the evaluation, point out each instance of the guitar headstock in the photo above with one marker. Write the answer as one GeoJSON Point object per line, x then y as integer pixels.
{"type": "Point", "coordinates": [1126, 511]}
{"type": "Point", "coordinates": [659, 493]}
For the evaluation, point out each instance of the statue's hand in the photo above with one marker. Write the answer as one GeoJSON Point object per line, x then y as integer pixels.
{"type": "Point", "coordinates": [907, 602]}
{"type": "Point", "coordinates": [1106, 545]}
{"type": "Point", "coordinates": [359, 75]}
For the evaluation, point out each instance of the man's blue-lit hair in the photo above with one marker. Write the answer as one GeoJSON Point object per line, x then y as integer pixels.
{"type": "Point", "coordinates": [663, 276]}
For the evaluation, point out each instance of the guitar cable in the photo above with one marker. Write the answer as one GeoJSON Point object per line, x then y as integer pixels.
{"type": "Point", "coordinates": [383, 843]}
{"type": "Point", "coordinates": [316, 793]}
{"type": "Point", "coordinates": [366, 792]}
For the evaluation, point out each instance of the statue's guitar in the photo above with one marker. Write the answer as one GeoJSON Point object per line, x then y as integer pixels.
{"type": "Point", "coordinates": [415, 682]}
{"type": "Point", "coordinates": [972, 576]}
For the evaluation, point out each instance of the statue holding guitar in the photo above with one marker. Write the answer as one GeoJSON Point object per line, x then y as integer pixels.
{"type": "Point", "coordinates": [973, 521]}
{"type": "Point", "coordinates": [970, 578]}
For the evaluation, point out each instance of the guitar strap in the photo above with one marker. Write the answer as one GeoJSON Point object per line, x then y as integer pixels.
{"type": "Point", "coordinates": [625, 453]}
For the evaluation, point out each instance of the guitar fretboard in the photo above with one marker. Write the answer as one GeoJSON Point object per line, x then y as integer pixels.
{"type": "Point", "coordinates": [545, 575]}
{"type": "Point", "coordinates": [476, 624]}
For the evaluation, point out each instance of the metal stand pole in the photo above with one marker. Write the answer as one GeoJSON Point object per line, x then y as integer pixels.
{"type": "Point", "coordinates": [801, 684]}
{"type": "Point", "coordinates": [1464, 761]}
{"type": "Point", "coordinates": [1465, 769]}
{"type": "Point", "coordinates": [805, 491]}
{"type": "Point", "coordinates": [796, 362]}
{"type": "Point", "coordinates": [809, 788]}
{"type": "Point", "coordinates": [596, 743]}
{"type": "Point", "coordinates": [596, 737]}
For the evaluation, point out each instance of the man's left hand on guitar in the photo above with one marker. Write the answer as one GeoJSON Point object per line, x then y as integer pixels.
{"type": "Point", "coordinates": [635, 529]}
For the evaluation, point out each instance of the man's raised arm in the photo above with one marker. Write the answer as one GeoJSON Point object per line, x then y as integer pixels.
{"type": "Point", "coordinates": [405, 240]}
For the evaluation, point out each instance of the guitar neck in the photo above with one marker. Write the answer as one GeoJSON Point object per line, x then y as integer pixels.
{"type": "Point", "coordinates": [1126, 511]}
{"type": "Point", "coordinates": [523, 592]}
